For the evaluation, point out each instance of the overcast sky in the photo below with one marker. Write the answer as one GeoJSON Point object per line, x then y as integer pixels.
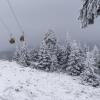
{"type": "Point", "coordinates": [37, 16]}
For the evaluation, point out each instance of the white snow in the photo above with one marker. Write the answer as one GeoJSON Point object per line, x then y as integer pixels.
{"type": "Point", "coordinates": [19, 83]}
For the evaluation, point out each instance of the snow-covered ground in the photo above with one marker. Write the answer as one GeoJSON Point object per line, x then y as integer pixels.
{"type": "Point", "coordinates": [18, 83]}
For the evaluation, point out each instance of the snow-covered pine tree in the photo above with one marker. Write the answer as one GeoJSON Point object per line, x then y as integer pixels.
{"type": "Point", "coordinates": [17, 54]}
{"type": "Point", "coordinates": [51, 42]}
{"type": "Point", "coordinates": [88, 74]}
{"type": "Point", "coordinates": [68, 48]}
{"type": "Point", "coordinates": [22, 54]}
{"type": "Point", "coordinates": [44, 57]}
{"type": "Point", "coordinates": [75, 61]}
{"type": "Point", "coordinates": [49, 48]}
{"type": "Point", "coordinates": [96, 55]}
{"type": "Point", "coordinates": [64, 53]}
{"type": "Point", "coordinates": [89, 11]}
{"type": "Point", "coordinates": [61, 57]}
{"type": "Point", "coordinates": [90, 62]}
{"type": "Point", "coordinates": [85, 49]}
{"type": "Point", "coordinates": [34, 55]}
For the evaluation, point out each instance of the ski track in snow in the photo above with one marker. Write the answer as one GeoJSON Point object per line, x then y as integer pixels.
{"type": "Point", "coordinates": [18, 83]}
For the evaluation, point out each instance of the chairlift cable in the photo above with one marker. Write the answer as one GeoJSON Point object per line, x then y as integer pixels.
{"type": "Point", "coordinates": [17, 21]}
{"type": "Point", "coordinates": [12, 39]}
{"type": "Point", "coordinates": [5, 25]}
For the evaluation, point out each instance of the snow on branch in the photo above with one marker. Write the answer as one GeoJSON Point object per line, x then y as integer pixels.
{"type": "Point", "coordinates": [90, 10]}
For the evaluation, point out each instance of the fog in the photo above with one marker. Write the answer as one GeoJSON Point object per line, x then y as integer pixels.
{"type": "Point", "coordinates": [37, 16]}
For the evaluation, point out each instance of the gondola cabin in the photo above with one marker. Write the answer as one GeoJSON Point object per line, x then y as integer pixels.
{"type": "Point", "coordinates": [22, 39]}
{"type": "Point", "coordinates": [12, 41]}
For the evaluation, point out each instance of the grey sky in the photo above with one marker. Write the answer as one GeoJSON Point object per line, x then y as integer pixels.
{"type": "Point", "coordinates": [37, 16]}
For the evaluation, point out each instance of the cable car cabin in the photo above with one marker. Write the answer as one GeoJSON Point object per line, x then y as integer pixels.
{"type": "Point", "coordinates": [12, 41]}
{"type": "Point", "coordinates": [22, 39]}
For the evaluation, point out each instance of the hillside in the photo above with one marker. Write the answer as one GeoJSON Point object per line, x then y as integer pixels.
{"type": "Point", "coordinates": [19, 83]}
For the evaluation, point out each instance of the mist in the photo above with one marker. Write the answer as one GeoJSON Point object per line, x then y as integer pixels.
{"type": "Point", "coordinates": [37, 16]}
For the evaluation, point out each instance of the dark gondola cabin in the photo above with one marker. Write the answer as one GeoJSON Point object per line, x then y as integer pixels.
{"type": "Point", "coordinates": [12, 41]}
{"type": "Point", "coordinates": [22, 39]}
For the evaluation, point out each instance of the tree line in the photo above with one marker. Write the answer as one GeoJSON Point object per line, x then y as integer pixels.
{"type": "Point", "coordinates": [71, 58]}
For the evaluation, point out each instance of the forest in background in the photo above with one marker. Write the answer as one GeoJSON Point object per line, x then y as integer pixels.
{"type": "Point", "coordinates": [71, 58]}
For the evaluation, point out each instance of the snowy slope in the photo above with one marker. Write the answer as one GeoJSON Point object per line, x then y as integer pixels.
{"type": "Point", "coordinates": [18, 83]}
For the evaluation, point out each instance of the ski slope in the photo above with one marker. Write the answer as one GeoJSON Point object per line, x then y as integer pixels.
{"type": "Point", "coordinates": [19, 83]}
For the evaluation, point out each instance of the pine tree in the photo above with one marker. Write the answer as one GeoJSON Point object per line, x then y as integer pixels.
{"type": "Point", "coordinates": [68, 49]}
{"type": "Point", "coordinates": [34, 55]}
{"type": "Point", "coordinates": [17, 53]}
{"type": "Point", "coordinates": [96, 52]}
{"type": "Point", "coordinates": [44, 57]}
{"type": "Point", "coordinates": [48, 51]}
{"type": "Point", "coordinates": [89, 11]}
{"type": "Point", "coordinates": [22, 55]}
{"type": "Point", "coordinates": [75, 61]}
{"type": "Point", "coordinates": [85, 50]}
{"type": "Point", "coordinates": [90, 62]}
{"type": "Point", "coordinates": [64, 53]}
{"type": "Point", "coordinates": [61, 57]}
{"type": "Point", "coordinates": [51, 42]}
{"type": "Point", "coordinates": [96, 55]}
{"type": "Point", "coordinates": [88, 74]}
